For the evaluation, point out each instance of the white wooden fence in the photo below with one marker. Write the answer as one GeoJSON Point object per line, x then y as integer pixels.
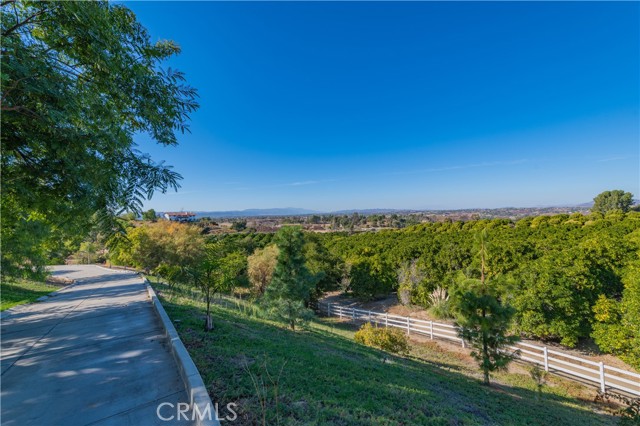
{"type": "Point", "coordinates": [596, 373]}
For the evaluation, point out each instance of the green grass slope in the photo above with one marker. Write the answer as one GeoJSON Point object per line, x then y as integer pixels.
{"type": "Point", "coordinates": [327, 379]}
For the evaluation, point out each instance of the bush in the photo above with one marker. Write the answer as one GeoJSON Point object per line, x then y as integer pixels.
{"type": "Point", "coordinates": [440, 307]}
{"type": "Point", "coordinates": [387, 339]}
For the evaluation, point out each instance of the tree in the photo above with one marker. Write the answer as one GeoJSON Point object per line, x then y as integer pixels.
{"type": "Point", "coordinates": [617, 326]}
{"type": "Point", "coordinates": [260, 267]}
{"type": "Point", "coordinates": [612, 200]}
{"type": "Point", "coordinates": [129, 216]}
{"type": "Point", "coordinates": [167, 244]}
{"type": "Point", "coordinates": [79, 80]}
{"type": "Point", "coordinates": [216, 273]}
{"type": "Point", "coordinates": [484, 322]}
{"type": "Point", "coordinates": [410, 275]}
{"type": "Point", "coordinates": [239, 225]}
{"type": "Point", "coordinates": [325, 267]}
{"type": "Point", "coordinates": [291, 282]}
{"type": "Point", "coordinates": [149, 215]}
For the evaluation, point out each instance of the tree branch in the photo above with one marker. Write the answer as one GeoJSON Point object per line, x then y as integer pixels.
{"type": "Point", "coordinates": [20, 24]}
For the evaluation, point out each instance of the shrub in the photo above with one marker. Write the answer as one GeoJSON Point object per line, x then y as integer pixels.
{"type": "Point", "coordinates": [440, 306]}
{"type": "Point", "coordinates": [410, 275]}
{"type": "Point", "coordinates": [387, 339]}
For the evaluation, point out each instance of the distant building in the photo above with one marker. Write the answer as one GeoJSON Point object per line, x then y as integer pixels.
{"type": "Point", "coordinates": [180, 216]}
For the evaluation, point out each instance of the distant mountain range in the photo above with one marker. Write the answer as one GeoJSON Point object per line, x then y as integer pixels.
{"type": "Point", "coordinates": [285, 211]}
{"type": "Point", "coordinates": [294, 211]}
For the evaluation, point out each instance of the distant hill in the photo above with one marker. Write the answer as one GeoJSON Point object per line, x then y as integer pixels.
{"type": "Point", "coordinates": [372, 211]}
{"type": "Point", "coordinates": [294, 211]}
{"type": "Point", "coordinates": [286, 211]}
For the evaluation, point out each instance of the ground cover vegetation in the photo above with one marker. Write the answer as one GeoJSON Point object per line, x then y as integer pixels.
{"type": "Point", "coordinates": [320, 375]}
{"type": "Point", "coordinates": [18, 291]}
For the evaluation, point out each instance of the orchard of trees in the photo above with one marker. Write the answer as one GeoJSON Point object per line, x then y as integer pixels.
{"type": "Point", "coordinates": [563, 278]}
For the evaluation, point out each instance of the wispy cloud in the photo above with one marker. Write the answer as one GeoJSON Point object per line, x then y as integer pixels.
{"type": "Point", "coordinates": [460, 167]}
{"type": "Point", "coordinates": [303, 183]}
{"type": "Point", "coordinates": [618, 158]}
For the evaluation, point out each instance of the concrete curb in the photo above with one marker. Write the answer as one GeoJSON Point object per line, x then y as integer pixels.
{"type": "Point", "coordinates": [190, 375]}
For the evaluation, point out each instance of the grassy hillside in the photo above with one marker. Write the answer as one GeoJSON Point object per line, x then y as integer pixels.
{"type": "Point", "coordinates": [328, 379]}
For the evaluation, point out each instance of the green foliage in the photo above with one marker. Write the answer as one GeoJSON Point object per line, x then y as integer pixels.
{"type": "Point", "coordinates": [260, 267]}
{"type": "Point", "coordinates": [326, 267]}
{"type": "Point", "coordinates": [539, 377]}
{"type": "Point", "coordinates": [149, 215]}
{"type": "Point", "coordinates": [439, 304]}
{"type": "Point", "coordinates": [617, 322]}
{"type": "Point", "coordinates": [550, 268]}
{"type": "Point", "coordinates": [79, 79]}
{"type": "Point", "coordinates": [129, 216]}
{"type": "Point", "coordinates": [331, 380]}
{"type": "Point", "coordinates": [239, 225]}
{"type": "Point", "coordinates": [608, 201]}
{"type": "Point", "coordinates": [388, 339]}
{"type": "Point", "coordinates": [484, 323]}
{"type": "Point", "coordinates": [410, 276]}
{"type": "Point", "coordinates": [555, 304]}
{"type": "Point", "coordinates": [216, 272]}
{"type": "Point", "coordinates": [151, 245]}
{"type": "Point", "coordinates": [368, 278]}
{"type": "Point", "coordinates": [291, 283]}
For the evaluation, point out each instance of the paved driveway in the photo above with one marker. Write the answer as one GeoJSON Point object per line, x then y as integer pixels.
{"type": "Point", "coordinates": [93, 354]}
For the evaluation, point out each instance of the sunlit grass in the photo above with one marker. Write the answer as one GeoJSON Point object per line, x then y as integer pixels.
{"type": "Point", "coordinates": [15, 291]}
{"type": "Point", "coordinates": [329, 379]}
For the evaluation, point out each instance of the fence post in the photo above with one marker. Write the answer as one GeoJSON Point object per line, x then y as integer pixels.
{"type": "Point", "coordinates": [353, 313]}
{"type": "Point", "coordinates": [431, 329]}
{"type": "Point", "coordinates": [340, 311]}
{"type": "Point", "coordinates": [369, 316]}
{"type": "Point", "coordinates": [602, 376]}
{"type": "Point", "coordinates": [328, 309]}
{"type": "Point", "coordinates": [462, 340]}
{"type": "Point", "coordinates": [386, 319]}
{"type": "Point", "coordinates": [408, 326]}
{"type": "Point", "coordinates": [546, 358]}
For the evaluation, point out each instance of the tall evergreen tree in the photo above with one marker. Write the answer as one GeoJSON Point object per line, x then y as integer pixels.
{"type": "Point", "coordinates": [483, 320]}
{"type": "Point", "coordinates": [291, 283]}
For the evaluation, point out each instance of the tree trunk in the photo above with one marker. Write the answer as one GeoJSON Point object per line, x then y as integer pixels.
{"type": "Point", "coordinates": [208, 323]}
{"type": "Point", "coordinates": [485, 353]}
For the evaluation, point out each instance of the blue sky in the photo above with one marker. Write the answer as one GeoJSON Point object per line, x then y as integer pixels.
{"type": "Point", "coordinates": [332, 105]}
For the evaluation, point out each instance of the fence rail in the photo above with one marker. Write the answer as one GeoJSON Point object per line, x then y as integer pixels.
{"type": "Point", "coordinates": [591, 372]}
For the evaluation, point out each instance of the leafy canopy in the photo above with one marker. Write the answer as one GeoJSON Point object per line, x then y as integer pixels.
{"type": "Point", "coordinates": [612, 200]}
{"type": "Point", "coordinates": [79, 80]}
